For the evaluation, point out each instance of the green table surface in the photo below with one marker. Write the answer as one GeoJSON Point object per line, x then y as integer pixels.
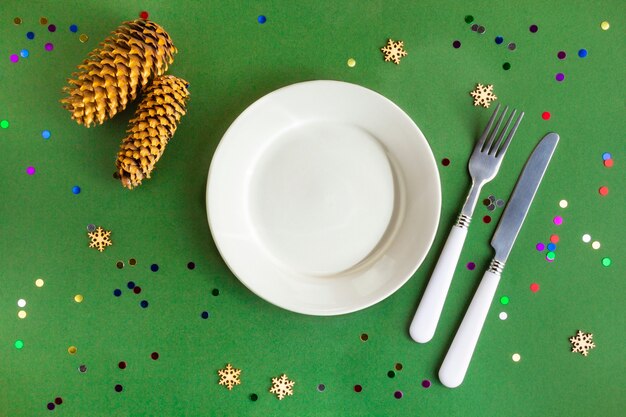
{"type": "Point", "coordinates": [231, 60]}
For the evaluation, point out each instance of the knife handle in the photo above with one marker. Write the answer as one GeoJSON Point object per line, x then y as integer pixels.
{"type": "Point", "coordinates": [456, 362]}
{"type": "Point", "coordinates": [424, 323]}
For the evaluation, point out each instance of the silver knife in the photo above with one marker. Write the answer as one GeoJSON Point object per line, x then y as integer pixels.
{"type": "Point", "coordinates": [456, 362]}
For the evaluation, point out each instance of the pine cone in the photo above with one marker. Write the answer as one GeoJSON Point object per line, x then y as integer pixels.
{"type": "Point", "coordinates": [113, 74]}
{"type": "Point", "coordinates": [154, 124]}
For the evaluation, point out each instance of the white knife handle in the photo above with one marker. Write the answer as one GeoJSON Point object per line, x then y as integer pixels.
{"type": "Point", "coordinates": [456, 362]}
{"type": "Point", "coordinates": [429, 310]}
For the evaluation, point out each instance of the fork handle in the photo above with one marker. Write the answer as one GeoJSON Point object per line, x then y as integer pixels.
{"type": "Point", "coordinates": [429, 310]}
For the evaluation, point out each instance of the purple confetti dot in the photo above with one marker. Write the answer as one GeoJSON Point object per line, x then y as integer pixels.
{"type": "Point", "coordinates": [533, 28]}
{"type": "Point", "coordinates": [560, 76]}
{"type": "Point", "coordinates": [49, 46]}
{"type": "Point", "coordinates": [456, 44]}
{"type": "Point", "coordinates": [540, 246]}
{"type": "Point", "coordinates": [426, 383]}
{"type": "Point", "coordinates": [398, 394]}
{"type": "Point", "coordinates": [558, 220]}
{"type": "Point", "coordinates": [30, 170]}
{"type": "Point", "coordinates": [14, 58]}
{"type": "Point", "coordinates": [52, 28]}
{"type": "Point", "coordinates": [561, 55]}
{"type": "Point", "coordinates": [51, 406]}
{"type": "Point", "coordinates": [471, 266]}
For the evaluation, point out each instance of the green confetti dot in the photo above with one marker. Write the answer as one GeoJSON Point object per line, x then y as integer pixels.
{"type": "Point", "coordinates": [469, 18]}
{"type": "Point", "coordinates": [19, 344]}
{"type": "Point", "coordinates": [551, 256]}
{"type": "Point", "coordinates": [504, 300]}
{"type": "Point", "coordinates": [606, 261]}
{"type": "Point", "coordinates": [4, 124]}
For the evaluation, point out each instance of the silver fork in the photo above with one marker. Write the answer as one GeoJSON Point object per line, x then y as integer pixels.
{"type": "Point", "coordinates": [483, 167]}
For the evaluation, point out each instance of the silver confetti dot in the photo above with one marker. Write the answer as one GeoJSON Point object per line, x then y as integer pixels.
{"type": "Point", "coordinates": [512, 46]}
{"type": "Point", "coordinates": [500, 203]}
{"type": "Point", "coordinates": [91, 227]}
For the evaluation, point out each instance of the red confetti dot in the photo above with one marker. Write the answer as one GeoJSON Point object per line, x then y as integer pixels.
{"type": "Point", "coordinates": [122, 365]}
{"type": "Point", "coordinates": [604, 190]}
{"type": "Point", "coordinates": [143, 15]}
{"type": "Point", "coordinates": [487, 219]}
{"type": "Point", "coordinates": [358, 388]}
{"type": "Point", "coordinates": [155, 355]}
{"type": "Point", "coordinates": [137, 290]}
{"type": "Point", "coordinates": [554, 239]}
{"type": "Point", "coordinates": [445, 162]}
{"type": "Point", "coordinates": [545, 115]}
{"type": "Point", "coordinates": [534, 287]}
{"type": "Point", "coordinates": [58, 400]}
{"type": "Point", "coordinates": [608, 163]}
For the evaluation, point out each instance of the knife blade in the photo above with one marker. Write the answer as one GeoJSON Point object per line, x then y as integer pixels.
{"type": "Point", "coordinates": [457, 360]}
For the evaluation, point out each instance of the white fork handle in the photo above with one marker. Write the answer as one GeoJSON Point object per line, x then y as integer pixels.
{"type": "Point", "coordinates": [456, 362]}
{"type": "Point", "coordinates": [429, 310]}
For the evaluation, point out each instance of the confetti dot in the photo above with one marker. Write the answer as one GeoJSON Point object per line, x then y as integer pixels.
{"type": "Point", "coordinates": [154, 267]}
{"type": "Point", "coordinates": [596, 245]}
{"type": "Point", "coordinates": [50, 406]}
{"type": "Point", "coordinates": [533, 28]}
{"type": "Point", "coordinates": [43, 20]}
{"type": "Point", "coordinates": [122, 365]}
{"type": "Point", "coordinates": [559, 76]}
{"type": "Point", "coordinates": [205, 315]}
{"type": "Point", "coordinates": [137, 290]}
{"type": "Point", "coordinates": [215, 292]}
{"type": "Point", "coordinates": [474, 27]}
{"type": "Point", "coordinates": [511, 46]}
{"type": "Point", "coordinates": [130, 285]}
{"type": "Point", "coordinates": [191, 265]}
{"type": "Point", "coordinates": [471, 266]}
{"type": "Point", "coordinates": [91, 227]}
{"type": "Point", "coordinates": [49, 46]}
{"type": "Point", "coordinates": [534, 287]}
{"type": "Point", "coordinates": [261, 19]}
{"type": "Point", "coordinates": [516, 357]}
{"type": "Point", "coordinates": [398, 394]}
{"type": "Point", "coordinates": [487, 202]}
{"type": "Point", "coordinates": [21, 314]}
{"type": "Point", "coordinates": [491, 207]}
{"type": "Point", "coordinates": [487, 219]}
{"type": "Point", "coordinates": [73, 28]}
{"type": "Point", "coordinates": [30, 170]}
{"type": "Point", "coordinates": [605, 25]}
{"type": "Point", "coordinates": [550, 256]}
{"type": "Point", "coordinates": [132, 261]}
{"type": "Point", "coordinates": [506, 66]}
{"type": "Point", "coordinates": [17, 20]}
{"type": "Point", "coordinates": [481, 29]}
{"type": "Point", "coordinates": [445, 162]}
{"type": "Point", "coordinates": [364, 337]}
{"type": "Point", "coordinates": [21, 303]}
{"type": "Point", "coordinates": [503, 315]}
{"type": "Point", "coordinates": [4, 124]}
{"type": "Point", "coordinates": [76, 189]}
{"type": "Point", "coordinates": [72, 350]}
{"type": "Point", "coordinates": [119, 388]}
{"type": "Point", "coordinates": [78, 298]}
{"type": "Point", "coordinates": [545, 115]}
{"type": "Point", "coordinates": [254, 397]}
{"type": "Point", "coordinates": [45, 134]}
{"type": "Point", "coordinates": [358, 388]}
{"type": "Point", "coordinates": [558, 220]}
{"type": "Point", "coordinates": [143, 304]}
{"type": "Point", "coordinates": [604, 190]}
{"type": "Point", "coordinates": [608, 163]}
{"type": "Point", "coordinates": [500, 203]}
{"type": "Point", "coordinates": [351, 62]}
{"type": "Point", "coordinates": [554, 239]}
{"type": "Point", "coordinates": [563, 203]}
{"type": "Point", "coordinates": [586, 238]}
{"type": "Point", "coordinates": [582, 53]}
{"type": "Point", "coordinates": [561, 55]}
{"type": "Point", "coordinates": [58, 400]}
{"type": "Point", "coordinates": [551, 247]}
{"type": "Point", "coordinates": [398, 366]}
{"type": "Point", "coordinates": [469, 19]}
{"type": "Point", "coordinates": [154, 356]}
{"type": "Point", "coordinates": [426, 383]}
{"type": "Point", "coordinates": [117, 292]}
{"type": "Point", "coordinates": [52, 28]}
{"type": "Point", "coordinates": [19, 344]}
{"type": "Point", "coordinates": [321, 387]}
{"type": "Point", "coordinates": [456, 44]}
{"type": "Point", "coordinates": [14, 58]}
{"type": "Point", "coordinates": [391, 374]}
{"type": "Point", "coordinates": [504, 300]}
{"type": "Point", "coordinates": [606, 262]}
{"type": "Point", "coordinates": [83, 38]}
{"type": "Point", "coordinates": [24, 53]}
{"type": "Point", "coordinates": [39, 282]}
{"type": "Point", "coordinates": [499, 40]}
{"type": "Point", "coordinates": [30, 35]}
{"type": "Point", "coordinates": [82, 369]}
{"type": "Point", "coordinates": [143, 15]}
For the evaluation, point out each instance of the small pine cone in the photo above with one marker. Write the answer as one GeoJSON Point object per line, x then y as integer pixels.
{"type": "Point", "coordinates": [114, 73]}
{"type": "Point", "coordinates": [154, 124]}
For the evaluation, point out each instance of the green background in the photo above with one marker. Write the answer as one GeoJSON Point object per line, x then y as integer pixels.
{"type": "Point", "coordinates": [230, 60]}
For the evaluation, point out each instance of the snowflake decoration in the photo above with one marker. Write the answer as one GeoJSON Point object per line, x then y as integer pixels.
{"type": "Point", "coordinates": [483, 95]}
{"type": "Point", "coordinates": [394, 51]}
{"type": "Point", "coordinates": [582, 342]}
{"type": "Point", "coordinates": [282, 386]}
{"type": "Point", "coordinates": [229, 376]}
{"type": "Point", "coordinates": [100, 239]}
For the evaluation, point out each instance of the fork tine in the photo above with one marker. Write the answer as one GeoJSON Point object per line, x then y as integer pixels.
{"type": "Point", "coordinates": [481, 141]}
{"type": "Point", "coordinates": [494, 149]}
{"type": "Point", "coordinates": [495, 130]}
{"type": "Point", "coordinates": [509, 138]}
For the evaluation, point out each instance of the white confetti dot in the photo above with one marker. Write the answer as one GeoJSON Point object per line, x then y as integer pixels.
{"type": "Point", "coordinates": [21, 302]}
{"type": "Point", "coordinates": [503, 315]}
{"type": "Point", "coordinates": [21, 314]}
{"type": "Point", "coordinates": [516, 357]}
{"type": "Point", "coordinates": [563, 203]}
{"type": "Point", "coordinates": [586, 238]}
{"type": "Point", "coordinates": [595, 245]}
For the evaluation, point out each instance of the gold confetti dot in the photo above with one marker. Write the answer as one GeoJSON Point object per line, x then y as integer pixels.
{"type": "Point", "coordinates": [83, 38]}
{"type": "Point", "coordinates": [132, 261]}
{"type": "Point", "coordinates": [18, 21]}
{"type": "Point", "coordinates": [78, 298]}
{"type": "Point", "coordinates": [605, 25]}
{"type": "Point", "coordinates": [364, 337]}
{"type": "Point", "coordinates": [39, 282]}
{"type": "Point", "coordinates": [43, 20]}
{"type": "Point", "coordinates": [351, 62]}
{"type": "Point", "coordinates": [72, 350]}
{"type": "Point", "coordinates": [595, 245]}
{"type": "Point", "coordinates": [21, 314]}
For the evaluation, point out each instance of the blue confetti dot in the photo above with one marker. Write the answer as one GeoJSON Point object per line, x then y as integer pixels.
{"type": "Point", "coordinates": [205, 315]}
{"type": "Point", "coordinates": [73, 28]}
{"type": "Point", "coordinates": [30, 35]}
{"type": "Point", "coordinates": [606, 156]}
{"type": "Point", "coordinates": [45, 134]}
{"type": "Point", "coordinates": [130, 285]}
{"type": "Point", "coordinates": [551, 247]}
{"type": "Point", "coordinates": [261, 19]}
{"type": "Point", "coordinates": [76, 189]}
{"type": "Point", "coordinates": [144, 304]}
{"type": "Point", "coordinates": [24, 53]}
{"type": "Point", "coordinates": [154, 267]}
{"type": "Point", "coordinates": [117, 292]}
{"type": "Point", "coordinates": [582, 53]}
{"type": "Point", "coordinates": [499, 39]}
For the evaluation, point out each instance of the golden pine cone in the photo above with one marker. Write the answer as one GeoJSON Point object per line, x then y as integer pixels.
{"type": "Point", "coordinates": [154, 124]}
{"type": "Point", "coordinates": [113, 74]}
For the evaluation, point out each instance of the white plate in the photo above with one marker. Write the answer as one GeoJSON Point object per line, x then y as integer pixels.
{"type": "Point", "coordinates": [323, 197]}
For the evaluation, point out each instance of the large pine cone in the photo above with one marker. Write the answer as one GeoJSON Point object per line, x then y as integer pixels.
{"type": "Point", "coordinates": [154, 124]}
{"type": "Point", "coordinates": [114, 73]}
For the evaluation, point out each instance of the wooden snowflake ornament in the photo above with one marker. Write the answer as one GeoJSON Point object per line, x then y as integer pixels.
{"type": "Point", "coordinates": [229, 376]}
{"type": "Point", "coordinates": [582, 342]}
{"type": "Point", "coordinates": [100, 239]}
{"type": "Point", "coordinates": [483, 95]}
{"type": "Point", "coordinates": [394, 51]}
{"type": "Point", "coordinates": [282, 386]}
